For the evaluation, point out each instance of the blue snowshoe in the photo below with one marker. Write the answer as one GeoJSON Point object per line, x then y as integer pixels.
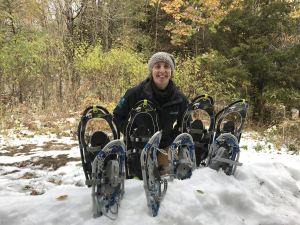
{"type": "Point", "coordinates": [181, 157]}
{"type": "Point", "coordinates": [151, 177]}
{"type": "Point", "coordinates": [224, 152]}
{"type": "Point", "coordinates": [108, 175]}
{"type": "Point", "coordinates": [103, 163]}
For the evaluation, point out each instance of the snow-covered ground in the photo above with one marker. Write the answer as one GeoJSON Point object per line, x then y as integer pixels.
{"type": "Point", "coordinates": [265, 190]}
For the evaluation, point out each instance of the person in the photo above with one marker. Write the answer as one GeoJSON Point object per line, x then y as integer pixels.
{"type": "Point", "coordinates": [161, 90]}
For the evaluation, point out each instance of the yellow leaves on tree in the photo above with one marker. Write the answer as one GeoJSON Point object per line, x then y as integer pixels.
{"type": "Point", "coordinates": [190, 15]}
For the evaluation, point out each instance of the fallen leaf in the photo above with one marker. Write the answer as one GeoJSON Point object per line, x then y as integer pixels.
{"type": "Point", "coordinates": [201, 192]}
{"type": "Point", "coordinates": [34, 192]}
{"type": "Point", "coordinates": [27, 187]}
{"type": "Point", "coordinates": [23, 164]}
{"type": "Point", "coordinates": [58, 182]}
{"type": "Point", "coordinates": [56, 147]}
{"type": "Point", "coordinates": [63, 197]}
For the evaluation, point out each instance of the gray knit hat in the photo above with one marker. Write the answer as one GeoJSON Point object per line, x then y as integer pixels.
{"type": "Point", "coordinates": [162, 57]}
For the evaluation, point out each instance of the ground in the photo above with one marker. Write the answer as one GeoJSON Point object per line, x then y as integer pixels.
{"type": "Point", "coordinates": [42, 182]}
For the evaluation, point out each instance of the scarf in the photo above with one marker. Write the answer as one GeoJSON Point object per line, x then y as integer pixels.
{"type": "Point", "coordinates": [162, 94]}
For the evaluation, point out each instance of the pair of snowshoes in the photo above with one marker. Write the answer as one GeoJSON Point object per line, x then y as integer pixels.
{"type": "Point", "coordinates": [140, 144]}
{"type": "Point", "coordinates": [215, 147]}
{"type": "Point", "coordinates": [103, 163]}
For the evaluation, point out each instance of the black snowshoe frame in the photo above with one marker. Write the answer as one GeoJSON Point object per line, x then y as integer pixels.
{"type": "Point", "coordinates": [133, 154]}
{"type": "Point", "coordinates": [202, 137]}
{"type": "Point", "coordinates": [87, 152]}
{"type": "Point", "coordinates": [240, 106]}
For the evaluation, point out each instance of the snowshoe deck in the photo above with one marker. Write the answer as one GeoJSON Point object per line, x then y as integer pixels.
{"type": "Point", "coordinates": [151, 177]}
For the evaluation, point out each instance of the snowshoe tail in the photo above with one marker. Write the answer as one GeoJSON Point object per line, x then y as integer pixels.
{"type": "Point", "coordinates": [89, 149]}
{"type": "Point", "coordinates": [151, 177]}
{"type": "Point", "coordinates": [181, 162]}
{"type": "Point", "coordinates": [224, 153]}
{"type": "Point", "coordinates": [137, 137]}
{"type": "Point", "coordinates": [202, 137]}
{"type": "Point", "coordinates": [108, 174]}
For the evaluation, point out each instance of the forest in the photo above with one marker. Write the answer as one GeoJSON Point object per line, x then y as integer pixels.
{"type": "Point", "coordinates": [61, 56]}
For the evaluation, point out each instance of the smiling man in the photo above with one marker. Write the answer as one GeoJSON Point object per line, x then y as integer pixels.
{"type": "Point", "coordinates": [160, 89]}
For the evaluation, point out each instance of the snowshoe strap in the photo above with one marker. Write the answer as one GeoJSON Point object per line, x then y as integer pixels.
{"type": "Point", "coordinates": [139, 139]}
{"type": "Point", "coordinates": [218, 158]}
{"type": "Point", "coordinates": [109, 214]}
{"type": "Point", "coordinates": [177, 163]}
{"type": "Point", "coordinates": [94, 149]}
{"type": "Point", "coordinates": [162, 151]}
{"type": "Point", "coordinates": [105, 180]}
{"type": "Point", "coordinates": [196, 131]}
{"type": "Point", "coordinates": [133, 151]}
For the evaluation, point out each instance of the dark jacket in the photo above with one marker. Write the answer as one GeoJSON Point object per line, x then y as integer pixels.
{"type": "Point", "coordinates": [169, 111]}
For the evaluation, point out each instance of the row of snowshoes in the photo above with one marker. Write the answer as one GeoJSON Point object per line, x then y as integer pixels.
{"type": "Point", "coordinates": [107, 162]}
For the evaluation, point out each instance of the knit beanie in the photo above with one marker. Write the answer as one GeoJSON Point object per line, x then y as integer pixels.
{"type": "Point", "coordinates": [162, 57]}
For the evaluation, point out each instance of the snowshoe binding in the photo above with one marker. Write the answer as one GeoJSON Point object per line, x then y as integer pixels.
{"type": "Point", "coordinates": [224, 152]}
{"type": "Point", "coordinates": [202, 137]}
{"type": "Point", "coordinates": [151, 177]}
{"type": "Point", "coordinates": [181, 162]}
{"type": "Point", "coordinates": [137, 136]}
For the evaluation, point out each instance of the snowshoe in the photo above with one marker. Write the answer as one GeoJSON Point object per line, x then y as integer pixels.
{"type": "Point", "coordinates": [202, 137]}
{"type": "Point", "coordinates": [90, 149]}
{"type": "Point", "coordinates": [108, 175]}
{"type": "Point", "coordinates": [182, 161]}
{"type": "Point", "coordinates": [151, 177]}
{"type": "Point", "coordinates": [224, 152]}
{"type": "Point", "coordinates": [136, 138]}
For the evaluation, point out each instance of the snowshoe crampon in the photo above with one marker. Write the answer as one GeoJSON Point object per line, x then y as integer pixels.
{"type": "Point", "coordinates": [202, 137]}
{"type": "Point", "coordinates": [151, 177]}
{"type": "Point", "coordinates": [89, 149]}
{"type": "Point", "coordinates": [225, 153]}
{"type": "Point", "coordinates": [137, 137]}
{"type": "Point", "coordinates": [108, 174]}
{"type": "Point", "coordinates": [181, 157]}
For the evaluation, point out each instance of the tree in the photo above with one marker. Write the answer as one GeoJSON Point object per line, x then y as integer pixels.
{"type": "Point", "coordinates": [255, 39]}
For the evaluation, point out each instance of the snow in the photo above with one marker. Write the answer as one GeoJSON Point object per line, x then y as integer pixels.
{"type": "Point", "coordinates": [265, 190]}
